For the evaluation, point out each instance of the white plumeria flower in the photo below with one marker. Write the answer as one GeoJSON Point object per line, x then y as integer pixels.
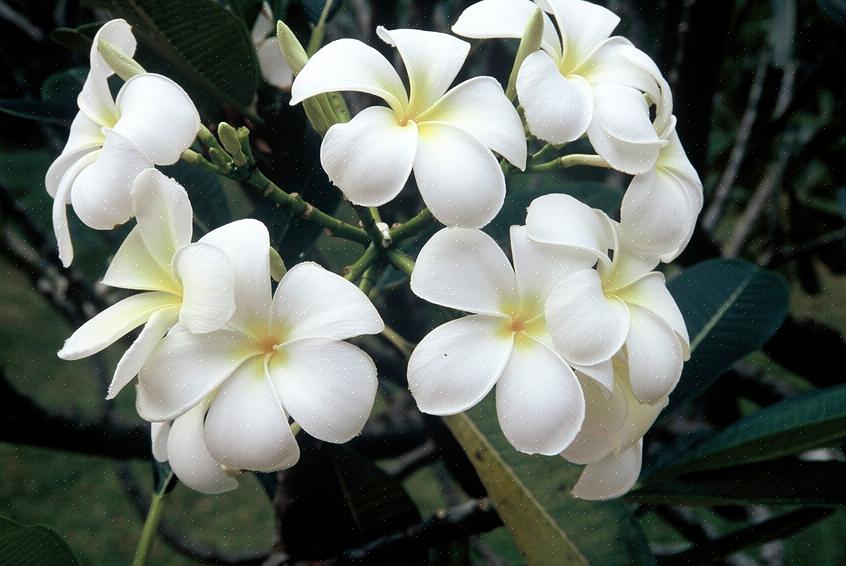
{"type": "Point", "coordinates": [445, 137]}
{"type": "Point", "coordinates": [151, 122]}
{"type": "Point", "coordinates": [660, 207]}
{"type": "Point", "coordinates": [610, 444]}
{"type": "Point", "coordinates": [274, 68]}
{"type": "Point", "coordinates": [229, 393]}
{"type": "Point", "coordinates": [623, 304]}
{"type": "Point", "coordinates": [504, 342]}
{"type": "Point", "coordinates": [189, 283]}
{"type": "Point", "coordinates": [582, 80]}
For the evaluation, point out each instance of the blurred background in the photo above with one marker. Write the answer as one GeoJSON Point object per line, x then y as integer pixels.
{"type": "Point", "coordinates": [758, 88]}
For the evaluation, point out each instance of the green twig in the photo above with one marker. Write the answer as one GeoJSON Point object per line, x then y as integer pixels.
{"type": "Point", "coordinates": [413, 226]}
{"type": "Point", "coordinates": [400, 260]}
{"type": "Point", "coordinates": [319, 31]}
{"type": "Point", "coordinates": [151, 525]}
{"type": "Point", "coordinates": [569, 161]}
{"type": "Point", "coordinates": [397, 341]}
{"type": "Point", "coordinates": [357, 269]}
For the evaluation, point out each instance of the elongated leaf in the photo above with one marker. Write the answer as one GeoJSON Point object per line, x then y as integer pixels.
{"type": "Point", "coordinates": [731, 308]}
{"type": "Point", "coordinates": [32, 546]}
{"type": "Point", "coordinates": [204, 48]}
{"type": "Point", "coordinates": [532, 496]}
{"type": "Point", "coordinates": [39, 110]}
{"type": "Point", "coordinates": [779, 482]}
{"type": "Point", "coordinates": [807, 421]}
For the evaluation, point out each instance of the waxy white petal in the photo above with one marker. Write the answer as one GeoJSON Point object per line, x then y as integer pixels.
{"type": "Point", "coordinates": [480, 107]}
{"type": "Point", "coordinates": [84, 132]}
{"type": "Point", "coordinates": [69, 159]}
{"type": "Point", "coordinates": [137, 354]}
{"type": "Point", "coordinates": [558, 109]}
{"type": "Point", "coordinates": [208, 287]}
{"type": "Point", "coordinates": [158, 438]}
{"type": "Point", "coordinates": [466, 270]}
{"type": "Point", "coordinates": [459, 179]}
{"type": "Point", "coordinates": [583, 26]}
{"type": "Point", "coordinates": [654, 356]}
{"type": "Point", "coordinates": [458, 363]}
{"type": "Point", "coordinates": [187, 367]}
{"type": "Point", "coordinates": [247, 243]}
{"type": "Point", "coordinates": [163, 213]}
{"type": "Point", "coordinates": [370, 157]}
{"type": "Point", "coordinates": [621, 131]}
{"type": "Point", "coordinates": [586, 326]}
{"type": "Point", "coordinates": [95, 99]}
{"type": "Point", "coordinates": [70, 168]}
{"type": "Point", "coordinates": [133, 267]}
{"type": "Point", "coordinates": [432, 61]}
{"type": "Point", "coordinates": [350, 65]}
{"type": "Point", "coordinates": [246, 427]}
{"type": "Point", "coordinates": [611, 477]}
{"type": "Point", "coordinates": [274, 68]}
{"type": "Point", "coordinates": [312, 302]}
{"type": "Point", "coordinates": [158, 116]}
{"type": "Point", "coordinates": [189, 457]}
{"type": "Point", "coordinates": [650, 292]}
{"type": "Point", "coordinates": [608, 63]}
{"type": "Point", "coordinates": [539, 401]}
{"type": "Point", "coordinates": [101, 192]}
{"type": "Point", "coordinates": [602, 374]}
{"type": "Point", "coordinates": [604, 418]}
{"type": "Point", "coordinates": [113, 323]}
{"type": "Point", "coordinates": [565, 221]}
{"type": "Point", "coordinates": [505, 18]}
{"type": "Point", "coordinates": [327, 386]}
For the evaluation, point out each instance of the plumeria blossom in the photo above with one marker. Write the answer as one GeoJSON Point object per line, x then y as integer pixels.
{"type": "Point", "coordinates": [192, 284]}
{"type": "Point", "coordinates": [229, 393]}
{"type": "Point", "coordinates": [661, 206]}
{"type": "Point", "coordinates": [610, 444]}
{"type": "Point", "coordinates": [581, 80]}
{"type": "Point", "coordinates": [504, 342]}
{"type": "Point", "coordinates": [274, 68]}
{"type": "Point", "coordinates": [445, 136]}
{"type": "Point", "coordinates": [621, 307]}
{"type": "Point", "coordinates": [151, 122]}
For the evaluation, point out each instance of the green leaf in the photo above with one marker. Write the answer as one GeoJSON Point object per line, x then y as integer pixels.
{"type": "Point", "coordinates": [532, 496]}
{"type": "Point", "coordinates": [58, 99]}
{"type": "Point", "coordinates": [32, 546]}
{"type": "Point", "coordinates": [731, 309]}
{"type": "Point", "coordinates": [76, 39]}
{"type": "Point", "coordinates": [37, 110]}
{"type": "Point", "coordinates": [202, 46]}
{"type": "Point", "coordinates": [797, 424]}
{"type": "Point", "coordinates": [779, 482]}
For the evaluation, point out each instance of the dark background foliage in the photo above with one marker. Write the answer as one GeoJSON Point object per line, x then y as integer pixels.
{"type": "Point", "coordinates": [745, 467]}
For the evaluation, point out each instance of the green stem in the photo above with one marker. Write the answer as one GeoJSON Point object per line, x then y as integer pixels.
{"type": "Point", "coordinates": [569, 161]}
{"type": "Point", "coordinates": [368, 279]}
{"type": "Point", "coordinates": [298, 206]}
{"type": "Point", "coordinates": [400, 260]}
{"type": "Point", "coordinates": [316, 39]}
{"type": "Point", "coordinates": [151, 526]}
{"type": "Point", "coordinates": [368, 222]}
{"type": "Point", "coordinates": [413, 226]}
{"type": "Point", "coordinates": [397, 341]}
{"type": "Point", "coordinates": [357, 269]}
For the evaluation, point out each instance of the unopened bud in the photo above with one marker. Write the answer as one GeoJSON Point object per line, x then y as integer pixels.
{"type": "Point", "coordinates": [229, 138]}
{"type": "Point", "coordinates": [292, 49]}
{"type": "Point", "coordinates": [531, 42]}
{"type": "Point", "coordinates": [125, 66]}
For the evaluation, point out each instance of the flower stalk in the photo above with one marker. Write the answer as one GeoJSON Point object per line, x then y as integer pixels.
{"type": "Point", "coordinates": [151, 523]}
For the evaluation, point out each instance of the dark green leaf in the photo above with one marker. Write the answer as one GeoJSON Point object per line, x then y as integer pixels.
{"type": "Point", "coordinates": [37, 110]}
{"type": "Point", "coordinates": [58, 99]}
{"type": "Point", "coordinates": [76, 39]}
{"type": "Point", "coordinates": [64, 87]}
{"type": "Point", "coordinates": [32, 546]}
{"type": "Point", "coordinates": [246, 10]}
{"type": "Point", "coordinates": [200, 45]}
{"type": "Point", "coordinates": [807, 421]}
{"type": "Point", "coordinates": [778, 482]}
{"type": "Point", "coordinates": [532, 496]}
{"type": "Point", "coordinates": [731, 308]}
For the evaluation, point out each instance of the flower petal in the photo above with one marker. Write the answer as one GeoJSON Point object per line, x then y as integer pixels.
{"type": "Point", "coordinates": [566, 221]}
{"type": "Point", "coordinates": [70, 169]}
{"type": "Point", "coordinates": [608, 63]}
{"type": "Point", "coordinates": [349, 64]}
{"type": "Point", "coordinates": [432, 61]}
{"type": "Point", "coordinates": [621, 131]}
{"type": "Point", "coordinates": [504, 18]}
{"type": "Point", "coordinates": [158, 438]}
{"type": "Point", "coordinates": [101, 193]}
{"type": "Point", "coordinates": [65, 162]}
{"type": "Point", "coordinates": [456, 364]}
{"type": "Point", "coordinates": [133, 267]}
{"type": "Point", "coordinates": [136, 355]}
{"type": "Point", "coordinates": [611, 477]}
{"type": "Point", "coordinates": [312, 302]}
{"type": "Point", "coordinates": [189, 457]}
{"type": "Point", "coordinates": [247, 243]}
{"type": "Point", "coordinates": [540, 267]}
{"type": "Point", "coordinates": [370, 157]}
{"type": "Point", "coordinates": [650, 292]}
{"type": "Point", "coordinates": [327, 386]}
{"type": "Point", "coordinates": [246, 427]}
{"type": "Point", "coordinates": [274, 68]}
{"type": "Point", "coordinates": [480, 107]}
{"type": "Point", "coordinates": [602, 374]}
{"type": "Point", "coordinates": [558, 109]}
{"type": "Point", "coordinates": [663, 99]}
{"type": "Point", "coordinates": [604, 418]}
{"type": "Point", "coordinates": [187, 367]}
{"type": "Point", "coordinates": [84, 133]}
{"type": "Point", "coordinates": [95, 99]}
{"type": "Point", "coordinates": [656, 214]}
{"type": "Point", "coordinates": [586, 326]}
{"type": "Point", "coordinates": [208, 287]}
{"type": "Point", "coordinates": [157, 116]}
{"type": "Point", "coordinates": [583, 26]}
{"type": "Point", "coordinates": [539, 401]}
{"type": "Point", "coordinates": [466, 270]}
{"type": "Point", "coordinates": [654, 356]}
{"type": "Point", "coordinates": [113, 323]}
{"type": "Point", "coordinates": [164, 215]}
{"type": "Point", "coordinates": [459, 178]}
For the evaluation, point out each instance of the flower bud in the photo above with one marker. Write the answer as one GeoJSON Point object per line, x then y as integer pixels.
{"type": "Point", "coordinates": [125, 66]}
{"type": "Point", "coordinates": [229, 138]}
{"type": "Point", "coordinates": [531, 42]}
{"type": "Point", "coordinates": [291, 48]}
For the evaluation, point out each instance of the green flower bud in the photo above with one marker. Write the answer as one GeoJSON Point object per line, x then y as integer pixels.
{"type": "Point", "coordinates": [125, 66]}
